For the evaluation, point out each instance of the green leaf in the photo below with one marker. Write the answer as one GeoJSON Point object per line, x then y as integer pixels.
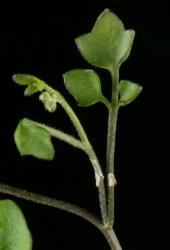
{"type": "Point", "coordinates": [109, 44]}
{"type": "Point", "coordinates": [31, 89]}
{"type": "Point", "coordinates": [84, 85]}
{"type": "Point", "coordinates": [33, 140]}
{"type": "Point", "coordinates": [34, 84]}
{"type": "Point", "coordinates": [14, 232]}
{"type": "Point", "coordinates": [128, 91]}
{"type": "Point", "coordinates": [124, 45]}
{"type": "Point", "coordinates": [26, 79]}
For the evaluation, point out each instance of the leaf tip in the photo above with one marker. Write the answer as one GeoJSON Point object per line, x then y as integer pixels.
{"type": "Point", "coordinates": [15, 78]}
{"type": "Point", "coordinates": [105, 12]}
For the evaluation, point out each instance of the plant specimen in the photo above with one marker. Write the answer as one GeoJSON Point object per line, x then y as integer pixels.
{"type": "Point", "coordinates": [107, 46]}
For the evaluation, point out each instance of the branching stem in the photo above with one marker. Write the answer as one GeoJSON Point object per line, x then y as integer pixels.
{"type": "Point", "coordinates": [106, 205]}
{"type": "Point", "coordinates": [44, 200]}
{"type": "Point", "coordinates": [61, 136]}
{"type": "Point", "coordinates": [89, 150]}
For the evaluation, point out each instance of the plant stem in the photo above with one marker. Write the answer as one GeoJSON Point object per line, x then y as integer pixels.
{"type": "Point", "coordinates": [83, 213]}
{"type": "Point", "coordinates": [100, 185]}
{"type": "Point", "coordinates": [73, 117]}
{"type": "Point", "coordinates": [61, 135]}
{"type": "Point", "coordinates": [111, 137]}
{"type": "Point", "coordinates": [103, 202]}
{"type": "Point", "coordinates": [78, 144]}
{"type": "Point", "coordinates": [114, 242]}
{"type": "Point", "coordinates": [89, 150]}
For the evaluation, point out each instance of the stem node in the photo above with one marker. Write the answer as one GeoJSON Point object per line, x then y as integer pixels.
{"type": "Point", "coordinates": [111, 180]}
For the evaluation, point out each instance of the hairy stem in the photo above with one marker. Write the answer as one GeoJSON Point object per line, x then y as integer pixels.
{"type": "Point", "coordinates": [44, 200]}
{"type": "Point", "coordinates": [110, 163]}
{"type": "Point", "coordinates": [92, 157]}
{"type": "Point", "coordinates": [89, 149]}
{"type": "Point", "coordinates": [111, 137]}
{"type": "Point", "coordinates": [61, 135]}
{"type": "Point", "coordinates": [100, 185]}
{"type": "Point", "coordinates": [103, 202]}
{"type": "Point", "coordinates": [73, 117]}
{"type": "Point", "coordinates": [114, 242]}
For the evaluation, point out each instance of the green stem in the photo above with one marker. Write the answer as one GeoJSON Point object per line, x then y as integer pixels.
{"type": "Point", "coordinates": [103, 202]}
{"type": "Point", "coordinates": [100, 185]}
{"type": "Point", "coordinates": [44, 200]}
{"type": "Point", "coordinates": [61, 135]}
{"type": "Point", "coordinates": [89, 150]}
{"type": "Point", "coordinates": [111, 138]}
{"type": "Point", "coordinates": [73, 117]}
{"type": "Point", "coordinates": [92, 157]}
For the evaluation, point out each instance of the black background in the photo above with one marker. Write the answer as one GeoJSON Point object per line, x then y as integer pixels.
{"type": "Point", "coordinates": [39, 39]}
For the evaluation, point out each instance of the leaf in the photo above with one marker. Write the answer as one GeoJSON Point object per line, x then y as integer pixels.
{"type": "Point", "coordinates": [14, 232]}
{"type": "Point", "coordinates": [128, 91]}
{"type": "Point", "coordinates": [108, 45]}
{"type": "Point", "coordinates": [31, 89]}
{"type": "Point", "coordinates": [33, 140]}
{"type": "Point", "coordinates": [34, 84]}
{"type": "Point", "coordinates": [26, 79]}
{"type": "Point", "coordinates": [84, 85]}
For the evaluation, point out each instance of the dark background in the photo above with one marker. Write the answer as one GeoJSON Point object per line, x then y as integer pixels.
{"type": "Point", "coordinates": [39, 39]}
